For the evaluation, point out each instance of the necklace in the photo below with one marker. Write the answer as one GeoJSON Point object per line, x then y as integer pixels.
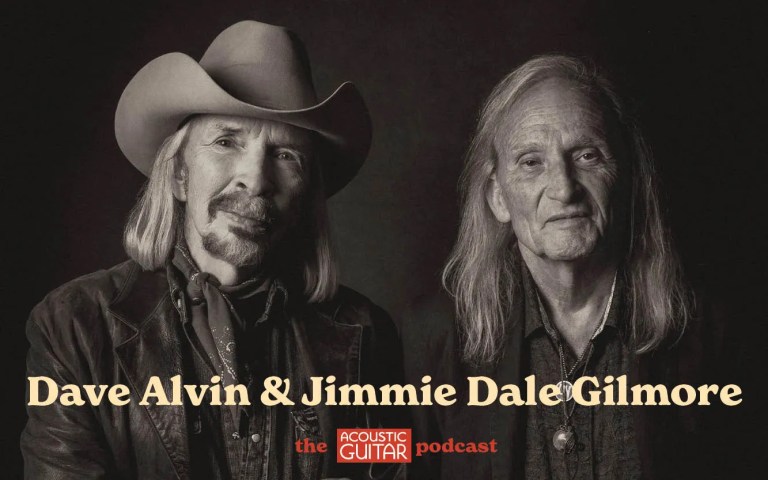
{"type": "Point", "coordinates": [564, 438]}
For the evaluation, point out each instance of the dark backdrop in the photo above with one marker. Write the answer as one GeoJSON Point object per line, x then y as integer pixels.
{"type": "Point", "coordinates": [694, 73]}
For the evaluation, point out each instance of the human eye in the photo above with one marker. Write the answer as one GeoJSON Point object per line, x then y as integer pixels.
{"type": "Point", "coordinates": [289, 156]}
{"type": "Point", "coordinates": [224, 142]}
{"type": "Point", "coordinates": [529, 161]}
{"type": "Point", "coordinates": [589, 156]}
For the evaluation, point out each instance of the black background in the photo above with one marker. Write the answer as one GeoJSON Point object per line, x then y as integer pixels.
{"type": "Point", "coordinates": [695, 74]}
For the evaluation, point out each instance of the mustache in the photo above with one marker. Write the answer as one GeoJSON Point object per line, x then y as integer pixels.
{"type": "Point", "coordinates": [240, 203]}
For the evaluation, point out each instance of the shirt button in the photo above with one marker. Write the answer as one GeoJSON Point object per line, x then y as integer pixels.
{"type": "Point", "coordinates": [255, 438]}
{"type": "Point", "coordinates": [236, 436]}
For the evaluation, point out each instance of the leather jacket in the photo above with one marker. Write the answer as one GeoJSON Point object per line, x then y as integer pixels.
{"type": "Point", "coordinates": [123, 326]}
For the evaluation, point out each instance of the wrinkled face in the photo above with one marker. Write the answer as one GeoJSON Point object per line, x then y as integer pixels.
{"type": "Point", "coordinates": [243, 182]}
{"type": "Point", "coordinates": [556, 174]}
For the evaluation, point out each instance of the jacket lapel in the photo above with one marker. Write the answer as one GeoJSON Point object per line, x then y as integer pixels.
{"type": "Point", "coordinates": [327, 345]}
{"type": "Point", "coordinates": [151, 346]}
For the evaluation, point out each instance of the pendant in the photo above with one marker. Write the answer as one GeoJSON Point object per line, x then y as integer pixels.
{"type": "Point", "coordinates": [563, 439]}
{"type": "Point", "coordinates": [566, 390]}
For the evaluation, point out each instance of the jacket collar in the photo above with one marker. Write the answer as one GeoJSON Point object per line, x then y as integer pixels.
{"type": "Point", "coordinates": [154, 350]}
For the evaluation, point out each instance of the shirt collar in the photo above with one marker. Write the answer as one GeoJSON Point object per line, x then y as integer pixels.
{"type": "Point", "coordinates": [536, 317]}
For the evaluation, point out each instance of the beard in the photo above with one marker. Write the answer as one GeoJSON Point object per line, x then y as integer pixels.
{"type": "Point", "coordinates": [246, 245]}
{"type": "Point", "coordinates": [237, 248]}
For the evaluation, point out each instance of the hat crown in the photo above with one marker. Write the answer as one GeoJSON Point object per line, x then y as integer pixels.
{"type": "Point", "coordinates": [262, 65]}
{"type": "Point", "coordinates": [251, 70]}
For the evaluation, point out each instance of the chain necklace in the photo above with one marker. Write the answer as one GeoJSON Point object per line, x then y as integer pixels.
{"type": "Point", "coordinates": [564, 438]}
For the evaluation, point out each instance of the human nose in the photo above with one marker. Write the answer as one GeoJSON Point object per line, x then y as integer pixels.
{"type": "Point", "coordinates": [254, 173]}
{"type": "Point", "coordinates": [562, 184]}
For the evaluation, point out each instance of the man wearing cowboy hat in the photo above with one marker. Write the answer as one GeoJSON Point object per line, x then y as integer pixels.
{"type": "Point", "coordinates": [231, 279]}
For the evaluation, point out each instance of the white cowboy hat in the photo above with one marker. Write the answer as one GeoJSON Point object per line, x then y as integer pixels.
{"type": "Point", "coordinates": [251, 69]}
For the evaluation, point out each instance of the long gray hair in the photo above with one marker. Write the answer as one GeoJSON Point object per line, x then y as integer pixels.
{"type": "Point", "coordinates": [483, 270]}
{"type": "Point", "coordinates": [150, 233]}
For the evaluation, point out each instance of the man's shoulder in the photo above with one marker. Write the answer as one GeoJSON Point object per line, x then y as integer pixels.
{"type": "Point", "coordinates": [430, 315]}
{"type": "Point", "coordinates": [430, 339]}
{"type": "Point", "coordinates": [429, 334]}
{"type": "Point", "coordinates": [86, 296]}
{"type": "Point", "coordinates": [349, 306]}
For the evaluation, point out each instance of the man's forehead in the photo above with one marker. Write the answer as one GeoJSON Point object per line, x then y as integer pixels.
{"type": "Point", "coordinates": [207, 124]}
{"type": "Point", "coordinates": [553, 108]}
{"type": "Point", "coordinates": [518, 134]}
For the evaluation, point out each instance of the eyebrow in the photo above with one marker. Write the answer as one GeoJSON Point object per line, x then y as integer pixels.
{"type": "Point", "coordinates": [279, 139]}
{"type": "Point", "coordinates": [524, 147]}
{"type": "Point", "coordinates": [585, 140]}
{"type": "Point", "coordinates": [286, 140]}
{"type": "Point", "coordinates": [225, 128]}
{"type": "Point", "coordinates": [581, 141]}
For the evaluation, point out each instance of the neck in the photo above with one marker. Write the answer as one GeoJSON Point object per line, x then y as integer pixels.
{"type": "Point", "coordinates": [574, 293]}
{"type": "Point", "coordinates": [225, 272]}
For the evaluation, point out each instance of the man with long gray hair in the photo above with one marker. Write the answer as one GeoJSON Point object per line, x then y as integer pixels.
{"type": "Point", "coordinates": [231, 280]}
{"type": "Point", "coordinates": [563, 268]}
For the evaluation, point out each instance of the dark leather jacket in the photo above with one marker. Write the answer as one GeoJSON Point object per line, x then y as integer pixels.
{"type": "Point", "coordinates": [122, 326]}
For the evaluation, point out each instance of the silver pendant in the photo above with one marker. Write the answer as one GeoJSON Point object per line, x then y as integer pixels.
{"type": "Point", "coordinates": [566, 390]}
{"type": "Point", "coordinates": [563, 439]}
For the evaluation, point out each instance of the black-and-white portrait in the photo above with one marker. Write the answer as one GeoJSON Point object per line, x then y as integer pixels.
{"type": "Point", "coordinates": [383, 193]}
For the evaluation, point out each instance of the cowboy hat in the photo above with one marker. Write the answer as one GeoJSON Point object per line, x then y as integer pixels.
{"type": "Point", "coordinates": [251, 69]}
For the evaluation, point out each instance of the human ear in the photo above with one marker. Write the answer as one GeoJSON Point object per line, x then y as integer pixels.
{"type": "Point", "coordinates": [494, 196]}
{"type": "Point", "coordinates": [179, 183]}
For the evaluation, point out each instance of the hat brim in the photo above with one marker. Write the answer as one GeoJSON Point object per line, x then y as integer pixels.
{"type": "Point", "coordinates": [174, 86]}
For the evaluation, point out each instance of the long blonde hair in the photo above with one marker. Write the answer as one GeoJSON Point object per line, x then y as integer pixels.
{"type": "Point", "coordinates": [150, 232]}
{"type": "Point", "coordinates": [482, 272]}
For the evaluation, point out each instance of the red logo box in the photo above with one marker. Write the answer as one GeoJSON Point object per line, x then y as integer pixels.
{"type": "Point", "coordinates": [373, 445]}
